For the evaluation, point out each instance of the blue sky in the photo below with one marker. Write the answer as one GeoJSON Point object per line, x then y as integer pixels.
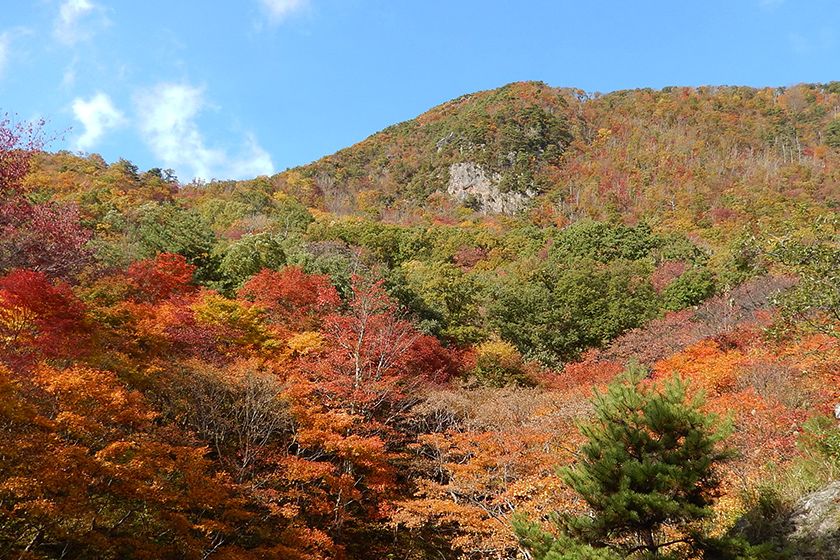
{"type": "Point", "coordinates": [235, 89]}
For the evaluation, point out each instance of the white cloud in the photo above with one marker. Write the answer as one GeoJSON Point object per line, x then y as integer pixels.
{"type": "Point", "coordinates": [73, 23]}
{"type": "Point", "coordinates": [97, 115]}
{"type": "Point", "coordinates": [69, 76]}
{"type": "Point", "coordinates": [167, 114]}
{"type": "Point", "coordinates": [7, 55]}
{"type": "Point", "coordinates": [278, 10]}
{"type": "Point", "coordinates": [5, 40]}
{"type": "Point", "coordinates": [252, 162]}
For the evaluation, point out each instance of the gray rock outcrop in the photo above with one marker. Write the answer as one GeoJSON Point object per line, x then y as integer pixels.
{"type": "Point", "coordinates": [815, 524]}
{"type": "Point", "coordinates": [470, 184]}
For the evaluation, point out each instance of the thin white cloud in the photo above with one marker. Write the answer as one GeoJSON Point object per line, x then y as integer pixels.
{"type": "Point", "coordinates": [97, 115]}
{"type": "Point", "coordinates": [252, 162]}
{"type": "Point", "coordinates": [167, 119]}
{"type": "Point", "coordinates": [69, 76]}
{"type": "Point", "coordinates": [279, 10]}
{"type": "Point", "coordinates": [167, 114]}
{"type": "Point", "coordinates": [75, 21]}
{"type": "Point", "coordinates": [5, 41]}
{"type": "Point", "coordinates": [7, 54]}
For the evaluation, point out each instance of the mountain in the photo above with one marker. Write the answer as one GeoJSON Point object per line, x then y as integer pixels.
{"type": "Point", "coordinates": [701, 154]}
{"type": "Point", "coordinates": [389, 352]}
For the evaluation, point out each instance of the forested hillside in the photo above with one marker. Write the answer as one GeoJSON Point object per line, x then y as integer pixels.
{"type": "Point", "coordinates": [389, 352]}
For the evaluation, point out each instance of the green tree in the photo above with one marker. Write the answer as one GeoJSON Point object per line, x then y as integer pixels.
{"type": "Point", "coordinates": [251, 254]}
{"type": "Point", "coordinates": [221, 214]}
{"type": "Point", "coordinates": [832, 133]}
{"type": "Point", "coordinates": [545, 546]}
{"type": "Point", "coordinates": [290, 215]}
{"type": "Point", "coordinates": [562, 310]}
{"type": "Point", "coordinates": [604, 242]}
{"type": "Point", "coordinates": [446, 298]}
{"type": "Point", "coordinates": [648, 472]}
{"type": "Point", "coordinates": [815, 300]}
{"type": "Point", "coordinates": [692, 287]}
{"type": "Point", "coordinates": [168, 228]}
{"type": "Point", "coordinates": [743, 259]}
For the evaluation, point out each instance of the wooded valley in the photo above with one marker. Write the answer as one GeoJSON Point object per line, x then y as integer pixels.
{"type": "Point", "coordinates": [531, 323]}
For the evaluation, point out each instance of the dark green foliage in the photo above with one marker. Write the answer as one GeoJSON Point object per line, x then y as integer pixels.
{"type": "Point", "coordinates": [508, 133]}
{"type": "Point", "coordinates": [814, 302]}
{"type": "Point", "coordinates": [591, 281]}
{"type": "Point", "coordinates": [515, 131]}
{"type": "Point", "coordinates": [290, 215]}
{"type": "Point", "coordinates": [168, 228]}
{"type": "Point", "coordinates": [832, 133]}
{"type": "Point", "coordinates": [560, 312]}
{"type": "Point", "coordinates": [649, 464]}
{"type": "Point", "coordinates": [221, 214]}
{"type": "Point", "coordinates": [522, 139]}
{"type": "Point", "coordinates": [444, 298]}
{"type": "Point", "coordinates": [730, 547]}
{"type": "Point", "coordinates": [604, 242]}
{"type": "Point", "coordinates": [252, 203]}
{"type": "Point", "coordinates": [256, 193]}
{"type": "Point", "coordinates": [249, 255]}
{"type": "Point", "coordinates": [607, 242]}
{"type": "Point", "coordinates": [165, 175]}
{"type": "Point", "coordinates": [594, 285]}
{"type": "Point", "coordinates": [816, 296]}
{"type": "Point", "coordinates": [690, 288]}
{"type": "Point", "coordinates": [387, 243]}
{"type": "Point", "coordinates": [545, 546]}
{"type": "Point", "coordinates": [673, 246]}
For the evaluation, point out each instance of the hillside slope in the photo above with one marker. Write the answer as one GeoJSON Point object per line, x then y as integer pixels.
{"type": "Point", "coordinates": [698, 154]}
{"type": "Point", "coordinates": [388, 353]}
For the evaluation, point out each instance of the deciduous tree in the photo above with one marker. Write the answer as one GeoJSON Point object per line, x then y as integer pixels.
{"type": "Point", "coordinates": [39, 316]}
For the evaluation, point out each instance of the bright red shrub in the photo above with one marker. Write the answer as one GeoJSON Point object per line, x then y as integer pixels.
{"type": "Point", "coordinates": [167, 275]}
{"type": "Point", "coordinates": [38, 315]}
{"type": "Point", "coordinates": [292, 297]}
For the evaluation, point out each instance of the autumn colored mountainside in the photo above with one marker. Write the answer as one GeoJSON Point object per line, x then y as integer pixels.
{"type": "Point", "coordinates": [389, 353]}
{"type": "Point", "coordinates": [686, 155]}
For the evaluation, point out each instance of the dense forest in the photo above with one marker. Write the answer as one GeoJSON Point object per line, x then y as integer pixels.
{"type": "Point", "coordinates": [532, 323]}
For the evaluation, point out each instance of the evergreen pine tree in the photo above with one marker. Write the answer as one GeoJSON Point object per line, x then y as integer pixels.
{"type": "Point", "coordinates": [647, 472]}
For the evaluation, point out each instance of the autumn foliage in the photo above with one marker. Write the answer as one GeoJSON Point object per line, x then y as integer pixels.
{"type": "Point", "coordinates": [343, 362]}
{"type": "Point", "coordinates": [166, 275]}
{"type": "Point", "coordinates": [39, 316]}
{"type": "Point", "coordinates": [291, 297]}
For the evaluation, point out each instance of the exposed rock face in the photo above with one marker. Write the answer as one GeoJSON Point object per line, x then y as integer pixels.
{"type": "Point", "coordinates": [470, 184]}
{"type": "Point", "coordinates": [815, 523]}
